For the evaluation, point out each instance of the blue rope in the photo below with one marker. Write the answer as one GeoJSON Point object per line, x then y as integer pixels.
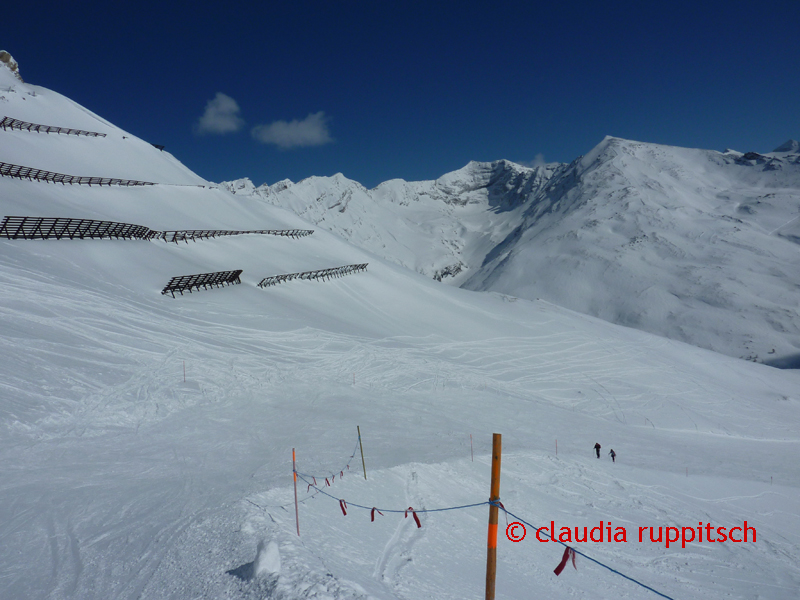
{"type": "Point", "coordinates": [520, 519]}
{"type": "Point", "coordinates": [390, 510]}
{"type": "Point", "coordinates": [490, 502]}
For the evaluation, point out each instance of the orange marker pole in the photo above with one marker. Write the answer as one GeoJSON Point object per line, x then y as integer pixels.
{"type": "Point", "coordinates": [491, 553]}
{"type": "Point", "coordinates": [296, 509]}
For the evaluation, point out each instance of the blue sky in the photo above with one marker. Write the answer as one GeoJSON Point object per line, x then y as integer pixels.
{"type": "Point", "coordinates": [412, 90]}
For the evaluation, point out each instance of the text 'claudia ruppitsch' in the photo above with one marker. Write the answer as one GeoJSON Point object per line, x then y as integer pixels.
{"type": "Point", "coordinates": [605, 532]}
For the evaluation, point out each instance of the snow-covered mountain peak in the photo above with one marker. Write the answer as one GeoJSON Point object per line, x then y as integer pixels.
{"type": "Point", "coordinates": [600, 152]}
{"type": "Point", "coordinates": [790, 147]}
{"type": "Point", "coordinates": [337, 181]}
{"type": "Point", "coordinates": [242, 186]}
{"type": "Point", "coordinates": [281, 185]}
{"type": "Point", "coordinates": [497, 178]}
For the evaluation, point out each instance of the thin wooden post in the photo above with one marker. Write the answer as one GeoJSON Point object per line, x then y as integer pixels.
{"type": "Point", "coordinates": [491, 553]}
{"type": "Point", "coordinates": [296, 509]}
{"type": "Point", "coordinates": [360, 445]}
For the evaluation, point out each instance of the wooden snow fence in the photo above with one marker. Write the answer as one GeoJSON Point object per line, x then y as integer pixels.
{"type": "Point", "coordinates": [43, 228]}
{"type": "Point", "coordinates": [186, 283]}
{"type": "Point", "coordinates": [322, 274]}
{"type": "Point", "coordinates": [21, 172]}
{"type": "Point", "coordinates": [9, 123]}
{"type": "Point", "coordinates": [201, 234]}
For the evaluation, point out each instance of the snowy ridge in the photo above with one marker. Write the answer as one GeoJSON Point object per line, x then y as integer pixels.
{"type": "Point", "coordinates": [147, 441]}
{"type": "Point", "coordinates": [440, 228]}
{"type": "Point", "coordinates": [694, 245]}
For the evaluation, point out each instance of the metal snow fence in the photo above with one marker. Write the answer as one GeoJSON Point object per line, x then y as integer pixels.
{"type": "Point", "coordinates": [322, 274]}
{"type": "Point", "coordinates": [39, 228]}
{"type": "Point", "coordinates": [185, 283]}
{"type": "Point", "coordinates": [21, 172]}
{"type": "Point", "coordinates": [201, 234]}
{"type": "Point", "coordinates": [9, 123]}
{"type": "Point", "coordinates": [42, 228]}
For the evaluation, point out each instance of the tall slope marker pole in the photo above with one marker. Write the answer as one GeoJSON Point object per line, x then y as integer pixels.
{"type": "Point", "coordinates": [360, 445]}
{"type": "Point", "coordinates": [296, 510]}
{"type": "Point", "coordinates": [491, 553]}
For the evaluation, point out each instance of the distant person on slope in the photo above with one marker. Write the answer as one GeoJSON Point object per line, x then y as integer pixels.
{"type": "Point", "coordinates": [597, 449]}
{"type": "Point", "coordinates": [613, 455]}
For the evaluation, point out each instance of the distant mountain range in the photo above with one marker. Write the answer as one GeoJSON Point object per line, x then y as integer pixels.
{"type": "Point", "coordinates": [695, 245]}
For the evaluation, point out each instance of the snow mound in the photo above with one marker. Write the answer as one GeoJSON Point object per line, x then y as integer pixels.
{"type": "Point", "coordinates": [268, 559]}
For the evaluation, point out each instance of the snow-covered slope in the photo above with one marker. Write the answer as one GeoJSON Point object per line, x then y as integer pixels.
{"type": "Point", "coordinates": [146, 441]}
{"type": "Point", "coordinates": [698, 246]}
{"type": "Point", "coordinates": [695, 245]}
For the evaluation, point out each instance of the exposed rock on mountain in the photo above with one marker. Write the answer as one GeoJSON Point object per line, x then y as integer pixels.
{"type": "Point", "coordinates": [8, 61]}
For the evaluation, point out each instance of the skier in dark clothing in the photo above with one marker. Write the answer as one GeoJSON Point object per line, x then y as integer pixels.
{"type": "Point", "coordinates": [613, 455]}
{"type": "Point", "coordinates": [597, 449]}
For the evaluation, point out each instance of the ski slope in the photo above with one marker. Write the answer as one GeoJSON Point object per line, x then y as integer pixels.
{"type": "Point", "coordinates": [122, 478]}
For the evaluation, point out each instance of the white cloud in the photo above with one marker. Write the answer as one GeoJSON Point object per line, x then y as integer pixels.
{"type": "Point", "coordinates": [538, 161]}
{"type": "Point", "coordinates": [311, 131]}
{"type": "Point", "coordinates": [221, 116]}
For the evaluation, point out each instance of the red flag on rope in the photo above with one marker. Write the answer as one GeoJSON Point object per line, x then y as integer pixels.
{"type": "Point", "coordinates": [416, 518]}
{"type": "Point", "coordinates": [568, 553]}
{"type": "Point", "coordinates": [328, 483]}
{"type": "Point", "coordinates": [343, 506]}
{"type": "Point", "coordinates": [373, 513]}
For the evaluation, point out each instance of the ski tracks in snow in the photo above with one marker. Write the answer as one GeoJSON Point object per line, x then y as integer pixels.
{"type": "Point", "coordinates": [398, 550]}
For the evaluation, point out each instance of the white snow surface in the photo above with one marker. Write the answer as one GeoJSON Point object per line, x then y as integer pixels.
{"type": "Point", "coordinates": [695, 245]}
{"type": "Point", "coordinates": [121, 478]}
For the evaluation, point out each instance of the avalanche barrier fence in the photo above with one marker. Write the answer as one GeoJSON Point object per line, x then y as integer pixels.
{"type": "Point", "coordinates": [21, 172]}
{"type": "Point", "coordinates": [318, 274]}
{"type": "Point", "coordinates": [185, 283]}
{"type": "Point", "coordinates": [9, 123]}
{"type": "Point", "coordinates": [200, 234]}
{"type": "Point", "coordinates": [41, 228]}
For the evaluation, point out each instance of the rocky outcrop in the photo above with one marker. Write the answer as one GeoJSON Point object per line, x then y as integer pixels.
{"type": "Point", "coordinates": [9, 62]}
